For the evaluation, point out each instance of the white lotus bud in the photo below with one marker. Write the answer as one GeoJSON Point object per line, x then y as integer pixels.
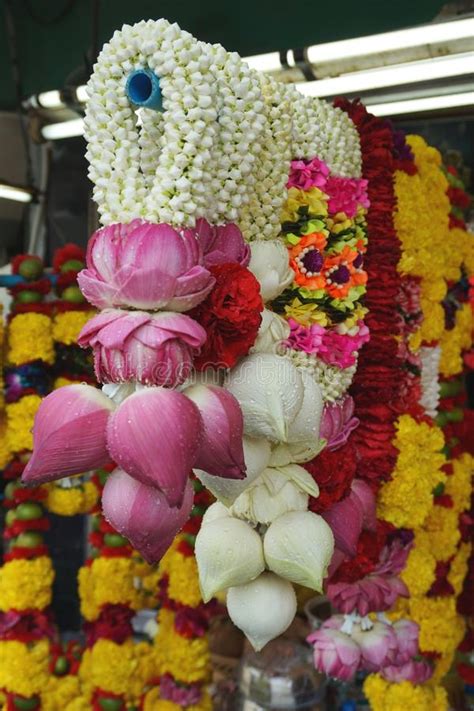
{"type": "Point", "coordinates": [275, 492]}
{"type": "Point", "coordinates": [273, 330]}
{"type": "Point", "coordinates": [298, 546]}
{"type": "Point", "coordinates": [256, 457]}
{"type": "Point", "coordinates": [269, 389]}
{"type": "Point", "coordinates": [269, 262]}
{"type": "Point", "coordinates": [228, 552]}
{"type": "Point", "coordinates": [262, 609]}
{"type": "Point", "coordinates": [214, 512]}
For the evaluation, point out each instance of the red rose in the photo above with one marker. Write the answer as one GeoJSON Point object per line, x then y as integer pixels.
{"type": "Point", "coordinates": [333, 472]}
{"type": "Point", "coordinates": [231, 316]}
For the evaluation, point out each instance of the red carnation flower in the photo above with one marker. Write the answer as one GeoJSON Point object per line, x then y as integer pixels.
{"type": "Point", "coordinates": [333, 472]}
{"type": "Point", "coordinates": [114, 623]}
{"type": "Point", "coordinates": [231, 316]}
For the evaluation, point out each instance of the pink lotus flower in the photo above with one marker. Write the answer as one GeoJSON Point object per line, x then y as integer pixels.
{"type": "Point", "coordinates": [155, 436]}
{"type": "Point", "coordinates": [378, 645]}
{"type": "Point", "coordinates": [362, 491]}
{"type": "Point", "coordinates": [335, 653]}
{"type": "Point", "coordinates": [221, 450]}
{"type": "Point", "coordinates": [417, 672]}
{"type": "Point", "coordinates": [407, 633]}
{"type": "Point", "coordinates": [152, 348]}
{"type": "Point", "coordinates": [338, 422]}
{"type": "Point", "coordinates": [142, 514]}
{"type": "Point", "coordinates": [145, 266]}
{"type": "Point", "coordinates": [221, 244]}
{"type": "Point", "coordinates": [69, 434]}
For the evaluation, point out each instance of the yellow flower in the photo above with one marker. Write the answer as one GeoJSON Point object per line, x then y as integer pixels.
{"type": "Point", "coordinates": [384, 696]}
{"type": "Point", "coordinates": [116, 668]}
{"type": "Point", "coordinates": [59, 692]}
{"type": "Point", "coordinates": [459, 484]}
{"type": "Point", "coordinates": [314, 200]}
{"type": "Point", "coordinates": [419, 572]}
{"type": "Point", "coordinates": [441, 628]}
{"type": "Point", "coordinates": [407, 499]}
{"type": "Point", "coordinates": [306, 314]}
{"type": "Point", "coordinates": [108, 580]}
{"type": "Point", "coordinates": [456, 340]}
{"type": "Point", "coordinates": [187, 660]}
{"type": "Point", "coordinates": [73, 501]}
{"type": "Point", "coordinates": [20, 419]}
{"type": "Point", "coordinates": [26, 584]}
{"type": "Point", "coordinates": [459, 568]}
{"type": "Point", "coordinates": [61, 382]}
{"type": "Point", "coordinates": [24, 669]}
{"type": "Point", "coordinates": [68, 325]}
{"type": "Point", "coordinates": [5, 453]}
{"type": "Point", "coordinates": [183, 586]}
{"type": "Point", "coordinates": [30, 338]}
{"type": "Point", "coordinates": [441, 526]}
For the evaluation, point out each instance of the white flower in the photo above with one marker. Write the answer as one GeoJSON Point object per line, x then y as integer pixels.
{"type": "Point", "coordinates": [262, 609]}
{"type": "Point", "coordinates": [275, 492]}
{"type": "Point", "coordinates": [228, 552]}
{"type": "Point", "coordinates": [298, 546]}
{"type": "Point", "coordinates": [273, 330]}
{"type": "Point", "coordinates": [430, 357]}
{"type": "Point", "coordinates": [269, 263]}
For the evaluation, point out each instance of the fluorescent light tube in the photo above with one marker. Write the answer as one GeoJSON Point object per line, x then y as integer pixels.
{"type": "Point", "coordinates": [8, 192]}
{"type": "Point", "coordinates": [81, 94]}
{"type": "Point", "coordinates": [50, 100]}
{"type": "Point", "coordinates": [429, 103]}
{"type": "Point", "coordinates": [264, 62]}
{"type": "Point", "coordinates": [421, 36]}
{"type": "Point", "coordinates": [65, 129]}
{"type": "Point", "coordinates": [397, 75]}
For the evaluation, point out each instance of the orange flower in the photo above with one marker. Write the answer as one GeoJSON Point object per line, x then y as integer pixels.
{"type": "Point", "coordinates": [342, 272]}
{"type": "Point", "coordinates": [307, 261]}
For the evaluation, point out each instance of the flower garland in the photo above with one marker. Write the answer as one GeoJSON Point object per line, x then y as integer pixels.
{"type": "Point", "coordinates": [181, 645]}
{"type": "Point", "coordinates": [26, 576]}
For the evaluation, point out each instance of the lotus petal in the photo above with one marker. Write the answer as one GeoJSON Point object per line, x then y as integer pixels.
{"type": "Point", "coordinates": [345, 519]}
{"type": "Point", "coordinates": [142, 514]}
{"type": "Point", "coordinates": [69, 434]}
{"type": "Point", "coordinates": [155, 436]}
{"type": "Point", "coordinates": [228, 552]}
{"type": "Point", "coordinates": [262, 609]}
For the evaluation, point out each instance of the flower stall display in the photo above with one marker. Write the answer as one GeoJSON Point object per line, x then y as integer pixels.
{"type": "Point", "coordinates": [279, 287]}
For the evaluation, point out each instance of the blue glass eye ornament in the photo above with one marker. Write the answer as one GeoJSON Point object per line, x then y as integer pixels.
{"type": "Point", "coordinates": [143, 89]}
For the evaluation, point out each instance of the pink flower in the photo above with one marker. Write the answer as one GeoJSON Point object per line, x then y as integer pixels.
{"type": "Point", "coordinates": [407, 633]}
{"type": "Point", "coordinates": [69, 434]}
{"type": "Point", "coordinates": [302, 338]}
{"type": "Point", "coordinates": [373, 593]}
{"type": "Point", "coordinates": [345, 519]}
{"type": "Point", "coordinates": [417, 672]}
{"type": "Point", "coordinates": [155, 436]}
{"type": "Point", "coordinates": [362, 491]}
{"type": "Point", "coordinates": [339, 349]}
{"type": "Point", "coordinates": [142, 514]}
{"type": "Point", "coordinates": [307, 174]}
{"type": "Point", "coordinates": [221, 244]}
{"type": "Point", "coordinates": [346, 195]}
{"type": "Point", "coordinates": [378, 645]}
{"type": "Point", "coordinates": [338, 422]}
{"type": "Point", "coordinates": [335, 653]}
{"type": "Point", "coordinates": [144, 266]}
{"type": "Point", "coordinates": [152, 348]}
{"type": "Point", "coordinates": [221, 450]}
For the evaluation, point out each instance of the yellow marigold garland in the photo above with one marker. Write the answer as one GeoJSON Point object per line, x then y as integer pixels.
{"type": "Point", "coordinates": [20, 418]}
{"type": "Point", "coordinates": [24, 669]}
{"type": "Point", "coordinates": [30, 338]}
{"type": "Point", "coordinates": [67, 325]}
{"type": "Point", "coordinates": [71, 501]}
{"type": "Point", "coordinates": [26, 584]}
{"type": "Point", "coordinates": [108, 581]}
{"type": "Point", "coordinates": [384, 696]}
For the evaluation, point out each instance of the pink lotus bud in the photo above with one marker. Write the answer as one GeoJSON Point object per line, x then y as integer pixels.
{"type": "Point", "coordinates": [155, 436]}
{"type": "Point", "coordinates": [364, 493]}
{"type": "Point", "coordinates": [142, 514]}
{"type": "Point", "coordinates": [407, 633]}
{"type": "Point", "coordinates": [373, 593]}
{"type": "Point", "coordinates": [417, 672]}
{"type": "Point", "coordinates": [152, 348]}
{"type": "Point", "coordinates": [338, 422]}
{"type": "Point", "coordinates": [378, 645]}
{"type": "Point", "coordinates": [221, 244]}
{"type": "Point", "coordinates": [345, 520]}
{"type": "Point", "coordinates": [69, 434]}
{"type": "Point", "coordinates": [146, 266]}
{"type": "Point", "coordinates": [221, 450]}
{"type": "Point", "coordinates": [335, 653]}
